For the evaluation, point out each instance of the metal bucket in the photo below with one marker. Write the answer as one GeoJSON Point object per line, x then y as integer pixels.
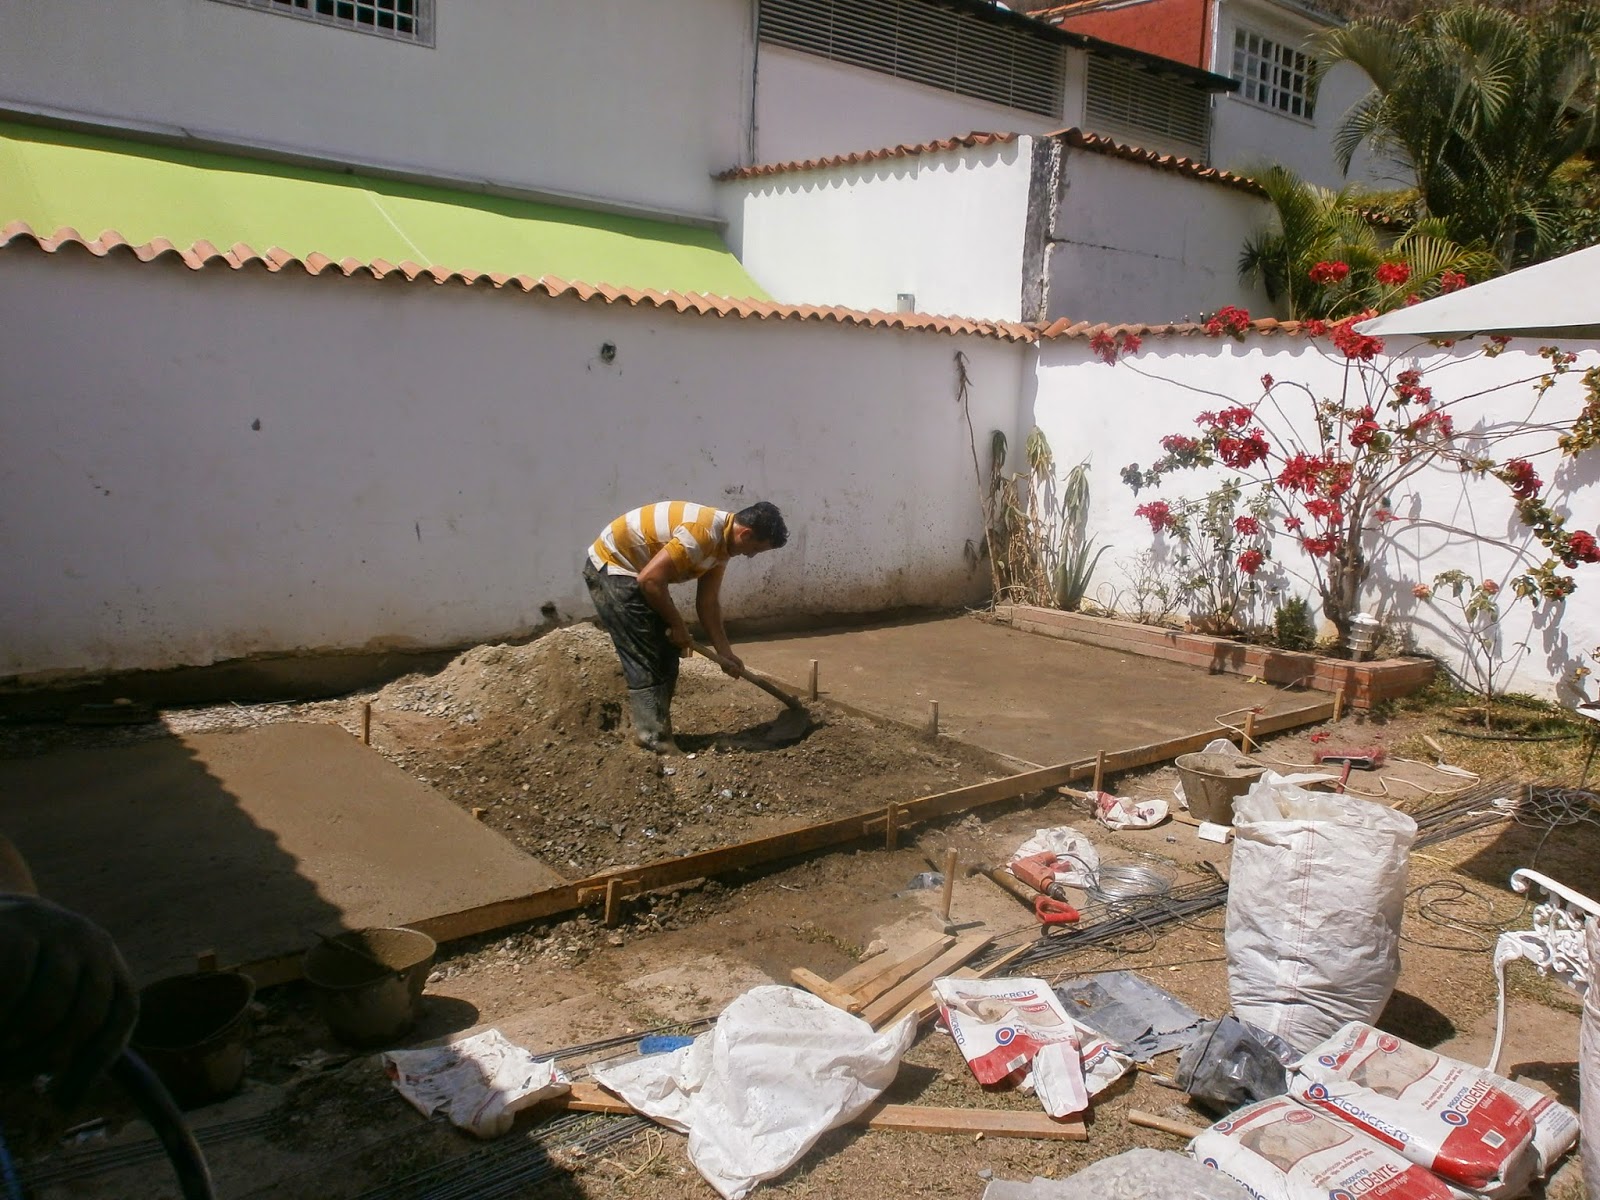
{"type": "Point", "coordinates": [192, 1032]}
{"type": "Point", "coordinates": [367, 985]}
{"type": "Point", "coordinates": [1212, 782]}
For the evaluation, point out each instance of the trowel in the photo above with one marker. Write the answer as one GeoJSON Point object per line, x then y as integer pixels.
{"type": "Point", "coordinates": [791, 725]}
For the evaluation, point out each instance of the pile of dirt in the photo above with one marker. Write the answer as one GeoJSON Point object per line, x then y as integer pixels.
{"type": "Point", "coordinates": [535, 741]}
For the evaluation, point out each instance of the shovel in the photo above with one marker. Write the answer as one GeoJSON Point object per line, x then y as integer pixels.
{"type": "Point", "coordinates": [792, 724]}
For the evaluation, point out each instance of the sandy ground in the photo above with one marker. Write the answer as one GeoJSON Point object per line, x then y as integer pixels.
{"type": "Point", "coordinates": [529, 739]}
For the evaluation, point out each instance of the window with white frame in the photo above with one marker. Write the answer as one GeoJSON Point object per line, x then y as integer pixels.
{"type": "Point", "coordinates": [402, 20]}
{"type": "Point", "coordinates": [1274, 75]}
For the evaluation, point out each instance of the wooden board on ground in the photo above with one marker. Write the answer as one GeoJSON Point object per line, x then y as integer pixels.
{"type": "Point", "coordinates": [877, 1013]}
{"type": "Point", "coordinates": [912, 1118]}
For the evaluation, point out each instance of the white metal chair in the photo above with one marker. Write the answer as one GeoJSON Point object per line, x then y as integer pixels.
{"type": "Point", "coordinates": [1555, 944]}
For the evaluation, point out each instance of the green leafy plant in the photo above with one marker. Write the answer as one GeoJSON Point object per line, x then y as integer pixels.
{"type": "Point", "coordinates": [1078, 554]}
{"type": "Point", "coordinates": [1291, 625]}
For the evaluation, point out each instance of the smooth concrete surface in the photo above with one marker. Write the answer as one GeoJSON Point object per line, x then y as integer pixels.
{"type": "Point", "coordinates": [248, 843]}
{"type": "Point", "coordinates": [1033, 698]}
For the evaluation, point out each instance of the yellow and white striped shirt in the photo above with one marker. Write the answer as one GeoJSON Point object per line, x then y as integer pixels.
{"type": "Point", "coordinates": [694, 535]}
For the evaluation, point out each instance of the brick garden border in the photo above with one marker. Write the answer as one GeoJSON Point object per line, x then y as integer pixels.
{"type": "Point", "coordinates": [1364, 684]}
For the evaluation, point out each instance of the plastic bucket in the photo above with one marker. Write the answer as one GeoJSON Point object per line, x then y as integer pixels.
{"type": "Point", "coordinates": [192, 1031]}
{"type": "Point", "coordinates": [1212, 782]}
{"type": "Point", "coordinates": [367, 985]}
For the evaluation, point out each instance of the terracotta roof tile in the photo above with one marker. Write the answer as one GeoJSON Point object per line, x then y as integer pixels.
{"type": "Point", "coordinates": [1100, 144]}
{"type": "Point", "coordinates": [867, 156]}
{"type": "Point", "coordinates": [202, 255]}
{"type": "Point", "coordinates": [1065, 327]}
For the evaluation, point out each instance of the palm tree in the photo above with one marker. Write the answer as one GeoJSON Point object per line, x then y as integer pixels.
{"type": "Point", "coordinates": [1312, 225]}
{"type": "Point", "coordinates": [1484, 106]}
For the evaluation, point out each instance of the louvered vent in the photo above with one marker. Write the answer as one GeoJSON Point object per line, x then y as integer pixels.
{"type": "Point", "coordinates": [1121, 99]}
{"type": "Point", "coordinates": [915, 40]}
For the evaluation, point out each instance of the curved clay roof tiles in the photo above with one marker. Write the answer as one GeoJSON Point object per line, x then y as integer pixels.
{"type": "Point", "coordinates": [203, 254]}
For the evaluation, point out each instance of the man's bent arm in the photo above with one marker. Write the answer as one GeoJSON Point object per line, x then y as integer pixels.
{"type": "Point", "coordinates": [655, 581]}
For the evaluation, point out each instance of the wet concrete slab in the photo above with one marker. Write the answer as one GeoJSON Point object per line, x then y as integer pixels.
{"type": "Point", "coordinates": [1036, 699]}
{"type": "Point", "coordinates": [246, 843]}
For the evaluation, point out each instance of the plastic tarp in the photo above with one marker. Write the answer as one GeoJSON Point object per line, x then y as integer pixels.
{"type": "Point", "coordinates": [1131, 1175]}
{"type": "Point", "coordinates": [778, 1070]}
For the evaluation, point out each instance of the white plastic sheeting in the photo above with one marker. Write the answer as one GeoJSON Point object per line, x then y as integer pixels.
{"type": "Point", "coordinates": [778, 1070]}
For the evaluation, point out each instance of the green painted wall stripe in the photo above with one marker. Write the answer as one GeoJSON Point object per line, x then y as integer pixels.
{"type": "Point", "coordinates": [51, 178]}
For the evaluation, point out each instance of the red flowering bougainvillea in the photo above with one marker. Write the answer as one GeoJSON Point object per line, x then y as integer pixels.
{"type": "Point", "coordinates": [1324, 471]}
{"type": "Point", "coordinates": [1327, 273]}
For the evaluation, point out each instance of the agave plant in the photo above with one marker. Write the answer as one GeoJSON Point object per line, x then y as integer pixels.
{"type": "Point", "coordinates": [1078, 557]}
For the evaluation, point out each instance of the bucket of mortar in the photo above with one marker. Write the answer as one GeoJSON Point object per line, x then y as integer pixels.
{"type": "Point", "coordinates": [192, 1032]}
{"type": "Point", "coordinates": [1212, 782]}
{"type": "Point", "coordinates": [367, 984]}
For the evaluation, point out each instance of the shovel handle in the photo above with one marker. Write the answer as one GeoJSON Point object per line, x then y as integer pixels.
{"type": "Point", "coordinates": [765, 685]}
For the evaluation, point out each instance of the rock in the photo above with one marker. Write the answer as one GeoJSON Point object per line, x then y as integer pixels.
{"type": "Point", "coordinates": [875, 947]}
{"type": "Point", "coordinates": [615, 939]}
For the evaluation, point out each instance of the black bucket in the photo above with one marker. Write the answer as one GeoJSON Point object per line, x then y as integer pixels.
{"type": "Point", "coordinates": [192, 1032]}
{"type": "Point", "coordinates": [368, 984]}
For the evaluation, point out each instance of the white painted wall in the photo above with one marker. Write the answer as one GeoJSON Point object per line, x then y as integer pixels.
{"type": "Point", "coordinates": [616, 99]}
{"type": "Point", "coordinates": [1119, 413]}
{"type": "Point", "coordinates": [1245, 135]}
{"type": "Point", "coordinates": [947, 227]}
{"type": "Point", "coordinates": [432, 462]}
{"type": "Point", "coordinates": [1136, 244]}
{"type": "Point", "coordinates": [808, 107]}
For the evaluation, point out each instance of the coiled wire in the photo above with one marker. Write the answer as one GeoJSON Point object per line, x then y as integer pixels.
{"type": "Point", "coordinates": [1122, 883]}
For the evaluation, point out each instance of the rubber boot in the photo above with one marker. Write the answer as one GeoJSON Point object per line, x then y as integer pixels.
{"type": "Point", "coordinates": [648, 728]}
{"type": "Point", "coordinates": [664, 713]}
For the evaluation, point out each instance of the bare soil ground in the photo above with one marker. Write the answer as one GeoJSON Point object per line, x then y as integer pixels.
{"type": "Point", "coordinates": [533, 740]}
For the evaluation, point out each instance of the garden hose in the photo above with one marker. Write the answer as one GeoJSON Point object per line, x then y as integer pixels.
{"type": "Point", "coordinates": [155, 1104]}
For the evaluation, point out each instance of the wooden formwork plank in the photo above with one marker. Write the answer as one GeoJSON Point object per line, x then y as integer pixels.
{"type": "Point", "coordinates": [913, 986]}
{"type": "Point", "coordinates": [500, 914]}
{"type": "Point", "coordinates": [914, 1118]}
{"type": "Point", "coordinates": [890, 960]}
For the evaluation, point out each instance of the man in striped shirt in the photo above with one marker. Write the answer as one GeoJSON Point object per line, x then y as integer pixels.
{"type": "Point", "coordinates": [630, 568]}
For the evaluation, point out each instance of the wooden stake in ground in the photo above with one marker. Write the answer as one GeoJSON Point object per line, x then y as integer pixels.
{"type": "Point", "coordinates": [1249, 739]}
{"type": "Point", "coordinates": [366, 723]}
{"type": "Point", "coordinates": [950, 859]}
{"type": "Point", "coordinates": [811, 690]}
{"type": "Point", "coordinates": [1099, 774]}
{"type": "Point", "coordinates": [933, 718]}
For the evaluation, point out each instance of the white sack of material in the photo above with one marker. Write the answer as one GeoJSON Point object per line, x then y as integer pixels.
{"type": "Point", "coordinates": [778, 1070]}
{"type": "Point", "coordinates": [1315, 899]}
{"type": "Point", "coordinates": [1131, 1175]}
{"type": "Point", "coordinates": [480, 1082]}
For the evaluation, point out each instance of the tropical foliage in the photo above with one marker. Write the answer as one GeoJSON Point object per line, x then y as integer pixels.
{"type": "Point", "coordinates": [1326, 256]}
{"type": "Point", "coordinates": [1485, 106]}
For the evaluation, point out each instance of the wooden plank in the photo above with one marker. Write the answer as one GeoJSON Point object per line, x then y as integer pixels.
{"type": "Point", "coordinates": [869, 969]}
{"type": "Point", "coordinates": [991, 1122]}
{"type": "Point", "coordinates": [924, 1006]}
{"type": "Point", "coordinates": [500, 914]}
{"type": "Point", "coordinates": [896, 973]}
{"type": "Point", "coordinates": [823, 990]}
{"type": "Point", "coordinates": [913, 1118]}
{"type": "Point", "coordinates": [896, 997]}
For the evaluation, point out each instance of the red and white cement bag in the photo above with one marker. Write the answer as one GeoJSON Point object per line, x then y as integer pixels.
{"type": "Point", "coordinates": [1000, 1024]}
{"type": "Point", "coordinates": [1436, 1112]}
{"type": "Point", "coordinates": [1555, 1126]}
{"type": "Point", "coordinates": [1280, 1150]}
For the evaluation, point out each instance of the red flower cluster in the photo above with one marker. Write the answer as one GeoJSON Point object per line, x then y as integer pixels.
{"type": "Point", "coordinates": [1176, 443]}
{"type": "Point", "coordinates": [1266, 382]}
{"type": "Point", "coordinates": [1356, 345]}
{"type": "Point", "coordinates": [1229, 418]}
{"type": "Point", "coordinates": [1362, 433]}
{"type": "Point", "coordinates": [1444, 423]}
{"type": "Point", "coordinates": [1248, 526]}
{"type": "Point", "coordinates": [1230, 320]}
{"type": "Point", "coordinates": [1408, 388]}
{"type": "Point", "coordinates": [1316, 327]}
{"type": "Point", "coordinates": [1108, 345]}
{"type": "Point", "coordinates": [1242, 452]}
{"type": "Point", "coordinates": [1325, 510]}
{"type": "Point", "coordinates": [1451, 281]}
{"type": "Point", "coordinates": [1523, 480]}
{"type": "Point", "coordinates": [1393, 274]}
{"type": "Point", "coordinates": [1158, 513]}
{"type": "Point", "coordinates": [1293, 524]}
{"type": "Point", "coordinates": [1581, 547]}
{"type": "Point", "coordinates": [1326, 272]}
{"type": "Point", "coordinates": [1250, 561]}
{"type": "Point", "coordinates": [1320, 547]}
{"type": "Point", "coordinates": [1301, 472]}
